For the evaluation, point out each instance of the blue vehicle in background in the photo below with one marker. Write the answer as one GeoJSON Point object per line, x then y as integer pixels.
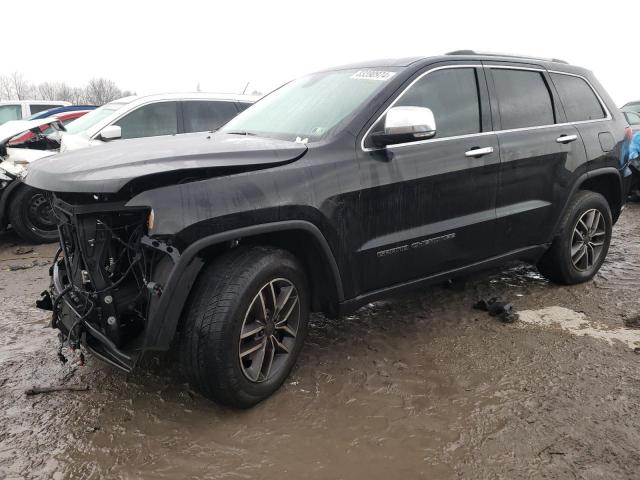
{"type": "Point", "coordinates": [57, 110]}
{"type": "Point", "coordinates": [632, 115]}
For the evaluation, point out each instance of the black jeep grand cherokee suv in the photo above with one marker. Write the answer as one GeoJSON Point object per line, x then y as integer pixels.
{"type": "Point", "coordinates": [337, 189]}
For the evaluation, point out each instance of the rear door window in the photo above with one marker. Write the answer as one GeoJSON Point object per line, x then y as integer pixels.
{"type": "Point", "coordinates": [203, 116]}
{"type": "Point", "coordinates": [578, 98]}
{"type": "Point", "coordinates": [150, 121]}
{"type": "Point", "coordinates": [524, 99]}
{"type": "Point", "coordinates": [452, 95]}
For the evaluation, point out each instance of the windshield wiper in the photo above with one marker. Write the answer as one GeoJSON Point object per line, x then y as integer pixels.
{"type": "Point", "coordinates": [241, 133]}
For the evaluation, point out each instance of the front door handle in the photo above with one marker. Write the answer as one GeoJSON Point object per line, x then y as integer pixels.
{"type": "Point", "coordinates": [478, 152]}
{"type": "Point", "coordinates": [566, 138]}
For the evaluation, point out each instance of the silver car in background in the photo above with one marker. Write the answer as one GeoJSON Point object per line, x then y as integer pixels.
{"type": "Point", "coordinates": [152, 116]}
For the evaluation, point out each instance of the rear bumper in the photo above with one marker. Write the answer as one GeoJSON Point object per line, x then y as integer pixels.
{"type": "Point", "coordinates": [92, 338]}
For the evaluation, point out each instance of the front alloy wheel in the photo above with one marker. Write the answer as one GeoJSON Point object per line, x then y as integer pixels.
{"type": "Point", "coordinates": [268, 333]}
{"type": "Point", "coordinates": [245, 324]}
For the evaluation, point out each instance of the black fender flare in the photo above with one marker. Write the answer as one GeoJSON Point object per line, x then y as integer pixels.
{"type": "Point", "coordinates": [5, 199]}
{"type": "Point", "coordinates": [164, 317]}
{"type": "Point", "coordinates": [580, 181]}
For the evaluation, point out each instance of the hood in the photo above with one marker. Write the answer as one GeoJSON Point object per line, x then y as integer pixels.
{"type": "Point", "coordinates": [108, 168]}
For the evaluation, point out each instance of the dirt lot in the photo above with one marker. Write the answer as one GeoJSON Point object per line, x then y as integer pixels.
{"type": "Point", "coordinates": [418, 386]}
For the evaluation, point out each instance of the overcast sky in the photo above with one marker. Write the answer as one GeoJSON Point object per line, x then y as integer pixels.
{"type": "Point", "coordinates": [172, 46]}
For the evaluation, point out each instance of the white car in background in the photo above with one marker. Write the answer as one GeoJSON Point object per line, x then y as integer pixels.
{"type": "Point", "coordinates": [152, 116]}
{"type": "Point", "coordinates": [19, 109]}
{"type": "Point", "coordinates": [27, 210]}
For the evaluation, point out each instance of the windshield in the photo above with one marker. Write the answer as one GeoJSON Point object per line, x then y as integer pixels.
{"type": "Point", "coordinates": [92, 118]}
{"type": "Point", "coordinates": [10, 112]}
{"type": "Point", "coordinates": [310, 107]}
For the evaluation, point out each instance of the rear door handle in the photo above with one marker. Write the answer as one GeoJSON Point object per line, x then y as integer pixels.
{"type": "Point", "coordinates": [566, 138]}
{"type": "Point", "coordinates": [478, 152]}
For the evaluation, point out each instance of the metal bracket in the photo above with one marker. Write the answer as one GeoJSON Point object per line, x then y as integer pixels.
{"type": "Point", "coordinates": [162, 246]}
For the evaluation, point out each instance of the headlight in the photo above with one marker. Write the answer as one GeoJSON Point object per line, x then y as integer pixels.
{"type": "Point", "coordinates": [151, 220]}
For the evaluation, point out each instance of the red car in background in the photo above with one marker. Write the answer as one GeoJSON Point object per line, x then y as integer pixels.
{"type": "Point", "coordinates": [46, 127]}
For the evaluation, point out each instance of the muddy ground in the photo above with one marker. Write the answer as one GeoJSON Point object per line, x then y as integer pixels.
{"type": "Point", "coordinates": [420, 386]}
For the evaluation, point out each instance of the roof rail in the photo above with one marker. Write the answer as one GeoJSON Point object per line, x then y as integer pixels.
{"type": "Point", "coordinates": [493, 54]}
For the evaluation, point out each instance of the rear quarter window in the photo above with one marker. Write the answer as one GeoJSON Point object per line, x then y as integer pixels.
{"type": "Point", "coordinates": [578, 98]}
{"type": "Point", "coordinates": [524, 99]}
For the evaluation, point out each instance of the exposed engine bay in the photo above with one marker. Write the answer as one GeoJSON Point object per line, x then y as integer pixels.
{"type": "Point", "coordinates": [102, 287]}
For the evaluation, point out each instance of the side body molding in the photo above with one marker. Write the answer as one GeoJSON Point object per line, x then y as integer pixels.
{"type": "Point", "coordinates": [165, 315]}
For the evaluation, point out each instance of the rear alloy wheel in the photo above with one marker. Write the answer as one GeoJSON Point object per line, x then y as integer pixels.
{"type": "Point", "coordinates": [587, 241]}
{"type": "Point", "coordinates": [244, 325]}
{"type": "Point", "coordinates": [31, 216]}
{"type": "Point", "coordinates": [582, 243]}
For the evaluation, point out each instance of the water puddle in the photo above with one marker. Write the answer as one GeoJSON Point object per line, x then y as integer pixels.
{"type": "Point", "coordinates": [577, 323]}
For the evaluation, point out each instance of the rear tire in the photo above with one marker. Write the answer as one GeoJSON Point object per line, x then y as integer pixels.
{"type": "Point", "coordinates": [31, 216]}
{"type": "Point", "coordinates": [580, 248]}
{"type": "Point", "coordinates": [237, 344]}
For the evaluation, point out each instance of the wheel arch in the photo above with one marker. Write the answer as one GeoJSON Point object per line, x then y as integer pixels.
{"type": "Point", "coordinates": [5, 201]}
{"type": "Point", "coordinates": [303, 239]}
{"type": "Point", "coordinates": [606, 182]}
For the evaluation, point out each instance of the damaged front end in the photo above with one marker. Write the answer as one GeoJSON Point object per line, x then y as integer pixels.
{"type": "Point", "coordinates": [102, 289]}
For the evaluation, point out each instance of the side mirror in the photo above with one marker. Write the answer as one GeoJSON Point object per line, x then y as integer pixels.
{"type": "Point", "coordinates": [112, 132]}
{"type": "Point", "coordinates": [405, 124]}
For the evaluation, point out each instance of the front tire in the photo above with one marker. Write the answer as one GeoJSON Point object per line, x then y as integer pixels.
{"type": "Point", "coordinates": [244, 325]}
{"type": "Point", "coordinates": [580, 248]}
{"type": "Point", "coordinates": [31, 216]}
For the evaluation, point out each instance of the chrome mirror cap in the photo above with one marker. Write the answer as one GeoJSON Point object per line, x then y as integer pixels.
{"type": "Point", "coordinates": [416, 121]}
{"type": "Point", "coordinates": [405, 125]}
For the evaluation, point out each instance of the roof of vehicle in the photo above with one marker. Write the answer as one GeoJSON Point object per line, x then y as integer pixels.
{"type": "Point", "coordinates": [505, 55]}
{"type": "Point", "coordinates": [466, 55]}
